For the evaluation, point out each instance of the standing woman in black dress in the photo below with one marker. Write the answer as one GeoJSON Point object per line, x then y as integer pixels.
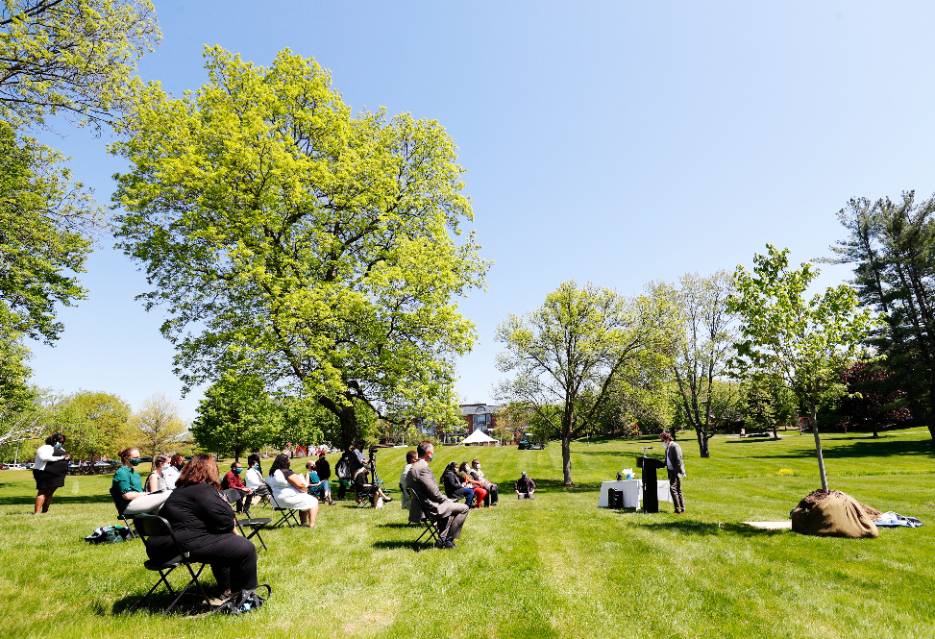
{"type": "Point", "coordinates": [49, 470]}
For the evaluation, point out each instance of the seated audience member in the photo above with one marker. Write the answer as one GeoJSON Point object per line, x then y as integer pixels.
{"type": "Point", "coordinates": [203, 523]}
{"type": "Point", "coordinates": [157, 480]}
{"type": "Point", "coordinates": [315, 487]}
{"type": "Point", "coordinates": [253, 479]}
{"type": "Point", "coordinates": [469, 481]}
{"type": "Point", "coordinates": [448, 515]}
{"type": "Point", "coordinates": [323, 468]}
{"type": "Point", "coordinates": [171, 471]}
{"type": "Point", "coordinates": [493, 490]}
{"type": "Point", "coordinates": [126, 485]}
{"type": "Point", "coordinates": [525, 487]}
{"type": "Point", "coordinates": [232, 480]}
{"type": "Point", "coordinates": [454, 487]}
{"type": "Point", "coordinates": [411, 458]}
{"type": "Point", "coordinates": [289, 489]}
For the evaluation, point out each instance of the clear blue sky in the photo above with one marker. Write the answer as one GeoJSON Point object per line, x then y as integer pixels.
{"type": "Point", "coordinates": [612, 142]}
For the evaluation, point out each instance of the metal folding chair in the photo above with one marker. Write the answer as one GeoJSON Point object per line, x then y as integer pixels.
{"type": "Point", "coordinates": [255, 524]}
{"type": "Point", "coordinates": [148, 526]}
{"type": "Point", "coordinates": [288, 516]}
{"type": "Point", "coordinates": [121, 504]}
{"type": "Point", "coordinates": [429, 524]}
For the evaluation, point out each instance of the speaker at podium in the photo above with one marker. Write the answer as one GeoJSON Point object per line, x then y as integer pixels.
{"type": "Point", "coordinates": [649, 465]}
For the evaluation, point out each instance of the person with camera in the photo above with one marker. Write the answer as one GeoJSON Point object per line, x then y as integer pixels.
{"type": "Point", "coordinates": [49, 470]}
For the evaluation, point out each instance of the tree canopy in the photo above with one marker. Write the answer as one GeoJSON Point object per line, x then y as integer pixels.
{"type": "Point", "coordinates": [287, 238]}
{"type": "Point", "coordinates": [566, 355]}
{"type": "Point", "coordinates": [808, 341]}
{"type": "Point", "coordinates": [72, 56]}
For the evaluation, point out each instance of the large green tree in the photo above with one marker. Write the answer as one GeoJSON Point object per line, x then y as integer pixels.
{"type": "Point", "coordinates": [289, 238]}
{"type": "Point", "coordinates": [237, 415]}
{"type": "Point", "coordinates": [701, 351]}
{"type": "Point", "coordinates": [71, 56]}
{"type": "Point", "coordinates": [566, 355]}
{"type": "Point", "coordinates": [157, 427]}
{"type": "Point", "coordinates": [808, 341]}
{"type": "Point", "coordinates": [95, 423]}
{"type": "Point", "coordinates": [891, 246]}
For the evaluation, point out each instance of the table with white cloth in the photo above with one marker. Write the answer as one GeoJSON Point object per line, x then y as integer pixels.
{"type": "Point", "coordinates": [632, 492]}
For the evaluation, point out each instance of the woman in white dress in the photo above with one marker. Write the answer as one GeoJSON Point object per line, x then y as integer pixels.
{"type": "Point", "coordinates": [289, 490]}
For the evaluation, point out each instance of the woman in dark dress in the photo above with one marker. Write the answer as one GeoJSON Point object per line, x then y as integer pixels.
{"type": "Point", "coordinates": [49, 470]}
{"type": "Point", "coordinates": [203, 523]}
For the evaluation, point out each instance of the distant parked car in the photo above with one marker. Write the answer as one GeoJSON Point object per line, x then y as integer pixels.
{"type": "Point", "coordinates": [528, 444]}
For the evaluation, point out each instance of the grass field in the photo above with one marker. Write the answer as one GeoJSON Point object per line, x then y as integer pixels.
{"type": "Point", "coordinates": [553, 567]}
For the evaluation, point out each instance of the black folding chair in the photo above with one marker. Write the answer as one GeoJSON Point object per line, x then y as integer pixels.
{"type": "Point", "coordinates": [288, 516]}
{"type": "Point", "coordinates": [430, 527]}
{"type": "Point", "coordinates": [121, 504]}
{"type": "Point", "coordinates": [255, 524]}
{"type": "Point", "coordinates": [148, 526]}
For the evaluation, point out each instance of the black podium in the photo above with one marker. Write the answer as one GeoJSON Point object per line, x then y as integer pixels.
{"type": "Point", "coordinates": [650, 496]}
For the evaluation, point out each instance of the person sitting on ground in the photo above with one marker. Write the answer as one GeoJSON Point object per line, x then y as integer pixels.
{"type": "Point", "coordinates": [323, 468]}
{"type": "Point", "coordinates": [454, 487]}
{"type": "Point", "coordinates": [449, 515]}
{"type": "Point", "coordinates": [126, 485]}
{"type": "Point", "coordinates": [493, 490]}
{"type": "Point", "coordinates": [171, 471]}
{"type": "Point", "coordinates": [156, 481]}
{"type": "Point", "coordinates": [289, 490]}
{"type": "Point", "coordinates": [203, 524]}
{"type": "Point", "coordinates": [469, 481]}
{"type": "Point", "coordinates": [232, 480]}
{"type": "Point", "coordinates": [525, 487]}
{"type": "Point", "coordinates": [411, 458]}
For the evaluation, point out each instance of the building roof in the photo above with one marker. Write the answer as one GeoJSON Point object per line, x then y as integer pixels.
{"type": "Point", "coordinates": [479, 409]}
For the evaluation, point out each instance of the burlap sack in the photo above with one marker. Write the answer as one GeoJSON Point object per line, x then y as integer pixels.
{"type": "Point", "coordinates": [834, 514]}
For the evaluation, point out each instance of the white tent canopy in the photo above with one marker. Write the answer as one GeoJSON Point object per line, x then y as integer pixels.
{"type": "Point", "coordinates": [478, 437]}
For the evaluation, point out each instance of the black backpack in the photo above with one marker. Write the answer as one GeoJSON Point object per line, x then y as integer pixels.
{"type": "Point", "coordinates": [245, 601]}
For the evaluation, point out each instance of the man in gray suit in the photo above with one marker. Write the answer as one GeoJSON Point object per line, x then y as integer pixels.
{"type": "Point", "coordinates": [675, 467]}
{"type": "Point", "coordinates": [448, 514]}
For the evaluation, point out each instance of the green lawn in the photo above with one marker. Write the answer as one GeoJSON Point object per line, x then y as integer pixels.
{"type": "Point", "coordinates": [553, 567]}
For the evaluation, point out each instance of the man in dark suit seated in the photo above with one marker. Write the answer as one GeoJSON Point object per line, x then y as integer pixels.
{"type": "Point", "coordinates": [449, 515]}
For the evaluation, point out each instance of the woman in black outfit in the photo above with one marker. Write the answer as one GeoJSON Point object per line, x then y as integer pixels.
{"type": "Point", "coordinates": [203, 523]}
{"type": "Point", "coordinates": [49, 470]}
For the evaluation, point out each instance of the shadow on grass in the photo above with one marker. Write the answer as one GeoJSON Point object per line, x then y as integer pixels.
{"type": "Point", "coordinates": [58, 500]}
{"type": "Point", "coordinates": [397, 524]}
{"type": "Point", "coordinates": [396, 544]}
{"type": "Point", "coordinates": [158, 603]}
{"type": "Point", "coordinates": [864, 448]}
{"type": "Point", "coordinates": [695, 527]}
{"type": "Point", "coordinates": [558, 486]}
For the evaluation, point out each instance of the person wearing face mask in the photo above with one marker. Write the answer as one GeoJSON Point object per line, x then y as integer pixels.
{"type": "Point", "coordinates": [49, 470]}
{"type": "Point", "coordinates": [170, 473]}
{"type": "Point", "coordinates": [254, 479]}
{"type": "Point", "coordinates": [156, 481]}
{"type": "Point", "coordinates": [448, 514]}
{"type": "Point", "coordinates": [127, 484]}
{"type": "Point", "coordinates": [232, 479]}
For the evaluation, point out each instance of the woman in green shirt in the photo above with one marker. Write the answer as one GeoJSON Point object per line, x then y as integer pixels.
{"type": "Point", "coordinates": [127, 484]}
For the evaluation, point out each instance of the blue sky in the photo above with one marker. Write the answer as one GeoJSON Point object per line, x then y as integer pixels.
{"type": "Point", "coordinates": [611, 142]}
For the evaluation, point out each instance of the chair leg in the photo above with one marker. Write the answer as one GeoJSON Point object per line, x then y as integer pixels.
{"type": "Point", "coordinates": [194, 580]}
{"type": "Point", "coordinates": [256, 533]}
{"type": "Point", "coordinates": [163, 574]}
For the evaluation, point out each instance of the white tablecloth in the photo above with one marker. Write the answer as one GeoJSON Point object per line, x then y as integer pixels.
{"type": "Point", "coordinates": [632, 492]}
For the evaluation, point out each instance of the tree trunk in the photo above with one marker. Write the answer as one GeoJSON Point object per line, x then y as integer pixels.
{"type": "Point", "coordinates": [821, 457]}
{"type": "Point", "coordinates": [349, 428]}
{"type": "Point", "coordinates": [702, 441]}
{"type": "Point", "coordinates": [566, 460]}
{"type": "Point", "coordinates": [237, 451]}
